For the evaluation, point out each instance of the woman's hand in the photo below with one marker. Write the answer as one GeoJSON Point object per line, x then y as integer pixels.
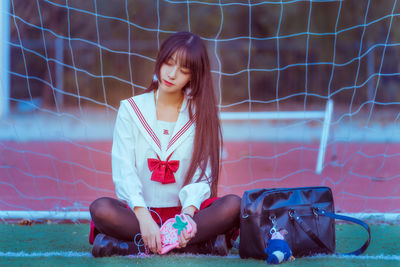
{"type": "Point", "coordinates": [149, 230]}
{"type": "Point", "coordinates": [185, 237]}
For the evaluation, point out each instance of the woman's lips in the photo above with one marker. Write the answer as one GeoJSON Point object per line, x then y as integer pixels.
{"type": "Point", "coordinates": [167, 83]}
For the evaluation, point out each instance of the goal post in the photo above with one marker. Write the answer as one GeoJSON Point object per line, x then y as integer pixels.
{"type": "Point", "coordinates": [325, 115]}
{"type": "Point", "coordinates": [4, 58]}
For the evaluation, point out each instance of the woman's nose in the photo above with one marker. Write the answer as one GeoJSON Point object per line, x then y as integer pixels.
{"type": "Point", "coordinates": [172, 72]}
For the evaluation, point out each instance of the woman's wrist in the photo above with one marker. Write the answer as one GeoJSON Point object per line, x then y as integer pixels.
{"type": "Point", "coordinates": [142, 213]}
{"type": "Point", "coordinates": [187, 214]}
{"type": "Point", "coordinates": [190, 210]}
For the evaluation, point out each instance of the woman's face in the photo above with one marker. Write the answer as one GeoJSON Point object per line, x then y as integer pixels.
{"type": "Point", "coordinates": [173, 76]}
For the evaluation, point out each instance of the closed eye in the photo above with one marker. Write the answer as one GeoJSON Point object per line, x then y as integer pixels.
{"type": "Point", "coordinates": [185, 71]}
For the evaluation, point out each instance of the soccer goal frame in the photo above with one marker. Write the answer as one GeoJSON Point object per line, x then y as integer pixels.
{"type": "Point", "coordinates": [325, 115]}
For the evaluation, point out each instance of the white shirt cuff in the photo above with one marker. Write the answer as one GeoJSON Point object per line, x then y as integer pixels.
{"type": "Point", "coordinates": [194, 194]}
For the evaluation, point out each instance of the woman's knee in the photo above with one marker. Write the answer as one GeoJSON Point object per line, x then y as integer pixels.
{"type": "Point", "coordinates": [232, 203]}
{"type": "Point", "coordinates": [100, 208]}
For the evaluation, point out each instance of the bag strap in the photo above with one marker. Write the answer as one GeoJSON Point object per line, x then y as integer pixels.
{"type": "Point", "coordinates": [307, 229]}
{"type": "Point", "coordinates": [317, 240]}
{"type": "Point", "coordinates": [353, 220]}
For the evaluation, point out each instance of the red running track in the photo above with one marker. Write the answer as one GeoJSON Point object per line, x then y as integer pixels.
{"type": "Point", "coordinates": [70, 175]}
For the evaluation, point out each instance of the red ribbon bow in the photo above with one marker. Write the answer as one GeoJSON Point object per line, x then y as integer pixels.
{"type": "Point", "coordinates": [163, 171]}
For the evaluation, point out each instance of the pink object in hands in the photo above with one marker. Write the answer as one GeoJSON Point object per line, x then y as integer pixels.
{"type": "Point", "coordinates": [170, 231]}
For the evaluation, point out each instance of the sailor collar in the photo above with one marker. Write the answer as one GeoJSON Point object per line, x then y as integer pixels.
{"type": "Point", "coordinates": [144, 115]}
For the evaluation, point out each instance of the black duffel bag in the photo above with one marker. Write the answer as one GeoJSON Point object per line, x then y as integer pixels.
{"type": "Point", "coordinates": [307, 213]}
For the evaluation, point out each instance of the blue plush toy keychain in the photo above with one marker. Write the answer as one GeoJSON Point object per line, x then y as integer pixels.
{"type": "Point", "coordinates": [278, 249]}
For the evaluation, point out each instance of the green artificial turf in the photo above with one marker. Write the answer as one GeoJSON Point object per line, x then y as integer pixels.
{"type": "Point", "coordinates": [41, 238]}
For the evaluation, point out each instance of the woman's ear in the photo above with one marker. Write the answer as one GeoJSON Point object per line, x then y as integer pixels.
{"type": "Point", "coordinates": [188, 91]}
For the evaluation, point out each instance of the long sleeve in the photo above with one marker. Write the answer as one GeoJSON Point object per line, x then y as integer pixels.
{"type": "Point", "coordinates": [195, 193]}
{"type": "Point", "coordinates": [125, 176]}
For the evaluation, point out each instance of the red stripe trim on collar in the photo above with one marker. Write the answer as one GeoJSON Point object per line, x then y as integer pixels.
{"type": "Point", "coordinates": [144, 122]}
{"type": "Point", "coordinates": [182, 131]}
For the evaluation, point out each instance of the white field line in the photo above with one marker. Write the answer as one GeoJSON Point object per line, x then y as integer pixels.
{"type": "Point", "coordinates": [361, 257]}
{"type": "Point", "coordinates": [72, 254]}
{"type": "Point", "coordinates": [68, 254]}
{"type": "Point", "coordinates": [85, 215]}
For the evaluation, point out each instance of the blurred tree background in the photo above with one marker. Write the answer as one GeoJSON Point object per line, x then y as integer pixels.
{"type": "Point", "coordinates": [95, 53]}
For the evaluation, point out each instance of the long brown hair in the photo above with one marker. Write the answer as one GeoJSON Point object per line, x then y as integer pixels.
{"type": "Point", "coordinates": [192, 54]}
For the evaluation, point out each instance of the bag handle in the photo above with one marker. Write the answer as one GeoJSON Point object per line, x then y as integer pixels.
{"type": "Point", "coordinates": [364, 247]}
{"type": "Point", "coordinates": [307, 229]}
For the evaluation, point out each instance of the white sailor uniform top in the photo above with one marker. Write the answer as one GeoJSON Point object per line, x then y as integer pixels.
{"type": "Point", "coordinates": [144, 173]}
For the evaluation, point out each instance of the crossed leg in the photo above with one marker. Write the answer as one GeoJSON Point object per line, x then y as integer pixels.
{"type": "Point", "coordinates": [111, 217]}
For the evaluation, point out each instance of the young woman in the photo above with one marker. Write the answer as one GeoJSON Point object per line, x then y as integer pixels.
{"type": "Point", "coordinates": [166, 160]}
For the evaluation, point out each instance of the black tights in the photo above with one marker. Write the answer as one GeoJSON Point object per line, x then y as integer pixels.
{"type": "Point", "coordinates": [112, 217]}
